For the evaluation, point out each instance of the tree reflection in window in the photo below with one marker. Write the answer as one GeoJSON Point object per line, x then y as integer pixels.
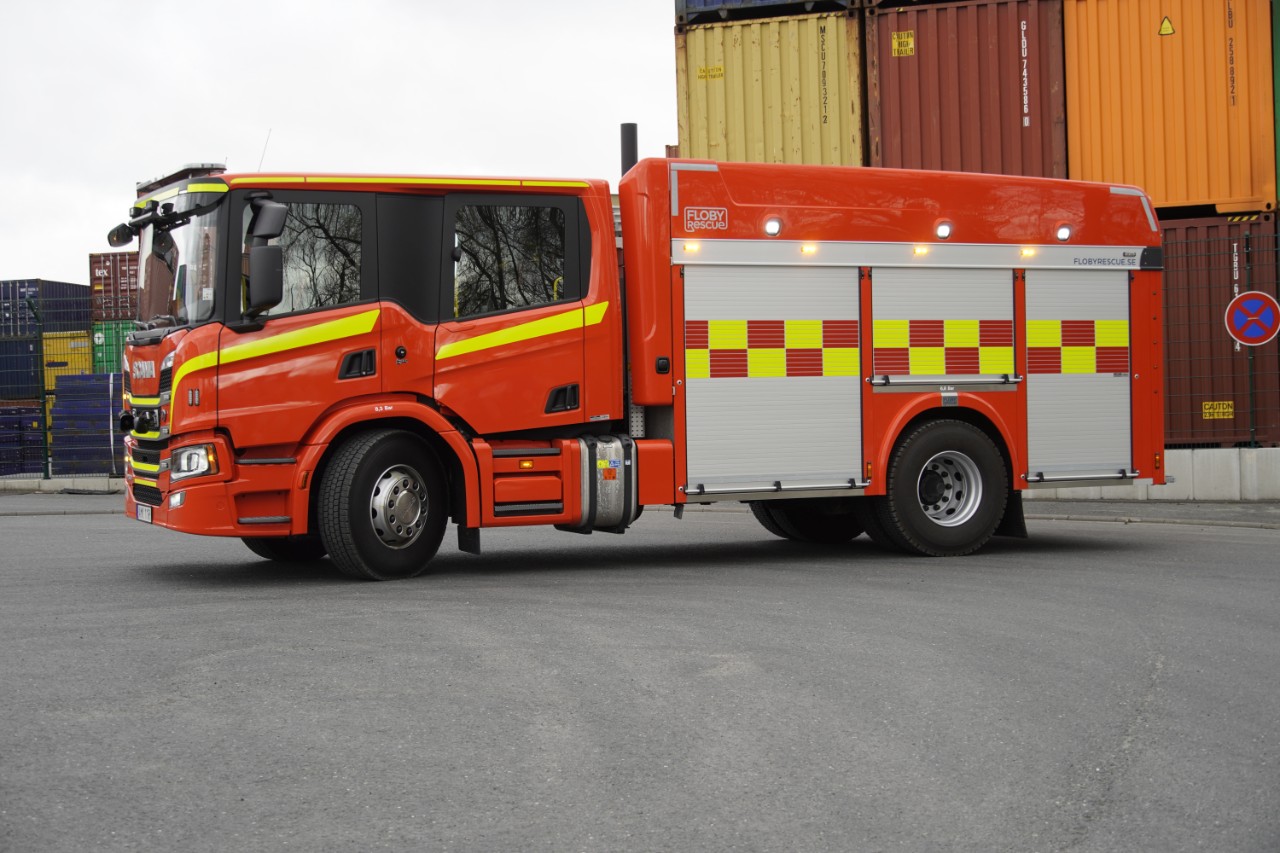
{"type": "Point", "coordinates": [507, 257]}
{"type": "Point", "coordinates": [321, 245]}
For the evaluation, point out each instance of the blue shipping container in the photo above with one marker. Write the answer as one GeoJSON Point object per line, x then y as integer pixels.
{"type": "Point", "coordinates": [20, 371]}
{"type": "Point", "coordinates": [30, 307]}
{"type": "Point", "coordinates": [715, 11]}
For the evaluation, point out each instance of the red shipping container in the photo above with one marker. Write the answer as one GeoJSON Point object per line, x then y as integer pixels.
{"type": "Point", "coordinates": [1217, 393]}
{"type": "Point", "coordinates": [971, 86]}
{"type": "Point", "coordinates": [113, 277]}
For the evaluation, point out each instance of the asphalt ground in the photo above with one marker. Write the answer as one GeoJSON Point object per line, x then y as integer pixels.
{"type": "Point", "coordinates": [692, 685]}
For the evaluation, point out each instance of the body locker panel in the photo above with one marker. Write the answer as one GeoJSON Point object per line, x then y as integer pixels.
{"type": "Point", "coordinates": [772, 366]}
{"type": "Point", "coordinates": [1078, 396]}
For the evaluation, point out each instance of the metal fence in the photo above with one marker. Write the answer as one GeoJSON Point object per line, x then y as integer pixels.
{"type": "Point", "coordinates": [59, 390]}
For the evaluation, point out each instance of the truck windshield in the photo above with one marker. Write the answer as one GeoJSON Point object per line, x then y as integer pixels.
{"type": "Point", "coordinates": [176, 272]}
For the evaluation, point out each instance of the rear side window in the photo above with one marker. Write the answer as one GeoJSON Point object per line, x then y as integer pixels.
{"type": "Point", "coordinates": [507, 257]}
{"type": "Point", "coordinates": [323, 247]}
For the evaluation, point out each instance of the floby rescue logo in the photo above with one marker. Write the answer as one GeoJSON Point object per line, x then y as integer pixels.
{"type": "Point", "coordinates": [706, 219]}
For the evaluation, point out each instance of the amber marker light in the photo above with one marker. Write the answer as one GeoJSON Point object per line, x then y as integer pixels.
{"type": "Point", "coordinates": [809, 249]}
{"type": "Point", "coordinates": [526, 464]}
{"type": "Point", "coordinates": [921, 251]}
{"type": "Point", "coordinates": [692, 248]}
{"type": "Point", "coordinates": [1028, 252]}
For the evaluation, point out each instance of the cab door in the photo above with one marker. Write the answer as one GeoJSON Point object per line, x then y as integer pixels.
{"type": "Point", "coordinates": [510, 345]}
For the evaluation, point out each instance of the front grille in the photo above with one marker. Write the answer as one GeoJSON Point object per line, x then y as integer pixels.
{"type": "Point", "coordinates": [128, 385]}
{"type": "Point", "coordinates": [146, 457]}
{"type": "Point", "coordinates": [166, 381]}
{"type": "Point", "coordinates": [147, 494]}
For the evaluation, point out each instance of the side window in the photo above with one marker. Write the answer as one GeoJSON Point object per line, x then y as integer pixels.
{"type": "Point", "coordinates": [508, 256]}
{"type": "Point", "coordinates": [322, 248]}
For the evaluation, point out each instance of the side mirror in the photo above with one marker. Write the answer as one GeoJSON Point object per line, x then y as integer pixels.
{"type": "Point", "coordinates": [266, 279]}
{"type": "Point", "coordinates": [121, 235]}
{"type": "Point", "coordinates": [268, 219]}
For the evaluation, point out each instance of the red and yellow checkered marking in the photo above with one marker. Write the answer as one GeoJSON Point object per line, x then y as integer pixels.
{"type": "Point", "coordinates": [723, 349]}
{"type": "Point", "coordinates": [1077, 346]}
{"type": "Point", "coordinates": [943, 347]}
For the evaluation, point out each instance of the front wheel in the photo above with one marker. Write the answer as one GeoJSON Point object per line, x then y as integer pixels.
{"type": "Point", "coordinates": [382, 506]}
{"type": "Point", "coordinates": [946, 490]}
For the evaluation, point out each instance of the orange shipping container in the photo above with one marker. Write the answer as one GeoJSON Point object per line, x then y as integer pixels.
{"type": "Point", "coordinates": [781, 90]}
{"type": "Point", "coordinates": [1175, 96]}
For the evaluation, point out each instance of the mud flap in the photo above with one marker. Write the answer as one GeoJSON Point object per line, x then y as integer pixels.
{"type": "Point", "coordinates": [1014, 523]}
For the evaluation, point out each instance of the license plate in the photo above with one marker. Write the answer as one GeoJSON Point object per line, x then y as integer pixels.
{"type": "Point", "coordinates": [144, 513]}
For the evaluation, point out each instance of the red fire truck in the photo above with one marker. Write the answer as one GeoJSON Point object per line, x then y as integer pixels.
{"type": "Point", "coordinates": [344, 364]}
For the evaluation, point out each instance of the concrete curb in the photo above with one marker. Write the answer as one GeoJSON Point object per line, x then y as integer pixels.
{"type": "Point", "coordinates": [1194, 522]}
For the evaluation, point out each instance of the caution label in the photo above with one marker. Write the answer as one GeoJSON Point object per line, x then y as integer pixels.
{"type": "Point", "coordinates": [1221, 410]}
{"type": "Point", "coordinates": [904, 43]}
{"type": "Point", "coordinates": [710, 72]}
{"type": "Point", "coordinates": [1166, 27]}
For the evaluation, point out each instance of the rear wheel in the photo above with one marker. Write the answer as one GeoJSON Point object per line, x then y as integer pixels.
{"type": "Point", "coordinates": [946, 490]}
{"type": "Point", "coordinates": [286, 549]}
{"type": "Point", "coordinates": [824, 521]}
{"type": "Point", "coordinates": [382, 506]}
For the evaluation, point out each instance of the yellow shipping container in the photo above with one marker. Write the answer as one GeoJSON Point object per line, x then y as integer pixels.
{"type": "Point", "coordinates": [66, 354]}
{"type": "Point", "coordinates": [1175, 96]}
{"type": "Point", "coordinates": [781, 90]}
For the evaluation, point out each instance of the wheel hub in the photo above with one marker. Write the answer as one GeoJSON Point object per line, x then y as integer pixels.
{"type": "Point", "coordinates": [950, 488]}
{"type": "Point", "coordinates": [398, 506]}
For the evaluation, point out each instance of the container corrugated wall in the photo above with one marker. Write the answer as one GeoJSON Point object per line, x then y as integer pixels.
{"type": "Point", "coordinates": [66, 354]}
{"type": "Point", "coordinates": [782, 90]}
{"type": "Point", "coordinates": [113, 278]}
{"type": "Point", "coordinates": [1218, 394]}
{"type": "Point", "coordinates": [971, 86]}
{"type": "Point", "coordinates": [31, 306]}
{"type": "Point", "coordinates": [1175, 96]}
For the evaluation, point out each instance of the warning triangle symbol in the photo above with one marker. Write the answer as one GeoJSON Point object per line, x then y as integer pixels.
{"type": "Point", "coordinates": [1166, 27]}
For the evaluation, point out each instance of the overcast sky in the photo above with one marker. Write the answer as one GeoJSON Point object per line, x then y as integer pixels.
{"type": "Point", "coordinates": [97, 95]}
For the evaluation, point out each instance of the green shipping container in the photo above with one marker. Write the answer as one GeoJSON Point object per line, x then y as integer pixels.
{"type": "Point", "coordinates": [108, 344]}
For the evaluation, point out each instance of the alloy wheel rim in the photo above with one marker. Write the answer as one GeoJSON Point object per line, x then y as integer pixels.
{"type": "Point", "coordinates": [949, 488]}
{"type": "Point", "coordinates": [398, 506]}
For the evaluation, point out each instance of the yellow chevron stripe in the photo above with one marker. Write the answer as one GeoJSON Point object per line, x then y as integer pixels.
{"type": "Point", "coordinates": [565, 321]}
{"type": "Point", "coordinates": [334, 330]}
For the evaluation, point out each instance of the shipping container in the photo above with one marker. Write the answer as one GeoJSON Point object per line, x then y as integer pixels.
{"type": "Point", "coordinates": [1175, 96]}
{"type": "Point", "coordinates": [29, 307]}
{"type": "Point", "coordinates": [717, 11]}
{"type": "Point", "coordinates": [113, 278]}
{"type": "Point", "coordinates": [85, 436]}
{"type": "Point", "coordinates": [20, 373]}
{"type": "Point", "coordinates": [971, 87]}
{"type": "Point", "coordinates": [66, 354]}
{"type": "Point", "coordinates": [108, 344]}
{"type": "Point", "coordinates": [1218, 393]}
{"type": "Point", "coordinates": [782, 90]}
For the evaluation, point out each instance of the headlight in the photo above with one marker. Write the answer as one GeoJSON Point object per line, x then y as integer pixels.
{"type": "Point", "coordinates": [193, 461]}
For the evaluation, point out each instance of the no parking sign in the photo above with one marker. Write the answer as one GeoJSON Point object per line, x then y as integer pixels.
{"type": "Point", "coordinates": [1253, 318]}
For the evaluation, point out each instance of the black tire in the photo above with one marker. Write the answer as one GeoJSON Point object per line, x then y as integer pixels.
{"type": "Point", "coordinates": [946, 490]}
{"type": "Point", "coordinates": [383, 509]}
{"type": "Point", "coordinates": [822, 521]}
{"type": "Point", "coordinates": [286, 549]}
{"type": "Point", "coordinates": [760, 509]}
{"type": "Point", "coordinates": [869, 517]}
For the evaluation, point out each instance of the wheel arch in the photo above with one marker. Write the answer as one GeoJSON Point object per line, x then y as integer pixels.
{"type": "Point", "coordinates": [973, 411]}
{"type": "Point", "coordinates": [447, 444]}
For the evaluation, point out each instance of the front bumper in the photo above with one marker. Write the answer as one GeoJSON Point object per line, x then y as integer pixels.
{"type": "Point", "coordinates": [244, 498]}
